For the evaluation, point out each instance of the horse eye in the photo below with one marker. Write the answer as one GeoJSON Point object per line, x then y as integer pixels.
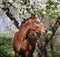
{"type": "Point", "coordinates": [37, 22]}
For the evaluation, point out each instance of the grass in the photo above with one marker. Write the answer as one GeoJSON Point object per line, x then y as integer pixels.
{"type": "Point", "coordinates": [6, 49]}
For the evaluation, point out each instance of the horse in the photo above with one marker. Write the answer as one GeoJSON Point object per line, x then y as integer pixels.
{"type": "Point", "coordinates": [21, 45]}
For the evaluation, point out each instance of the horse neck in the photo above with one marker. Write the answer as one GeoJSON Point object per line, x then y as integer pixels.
{"type": "Point", "coordinates": [23, 31]}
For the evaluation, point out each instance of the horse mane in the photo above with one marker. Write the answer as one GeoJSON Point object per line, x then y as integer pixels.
{"type": "Point", "coordinates": [22, 23]}
{"type": "Point", "coordinates": [24, 20]}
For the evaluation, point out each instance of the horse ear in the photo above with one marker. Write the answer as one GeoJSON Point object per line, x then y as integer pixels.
{"type": "Point", "coordinates": [24, 19]}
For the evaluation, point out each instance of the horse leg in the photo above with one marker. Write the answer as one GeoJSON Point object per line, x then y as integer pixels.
{"type": "Point", "coordinates": [31, 55]}
{"type": "Point", "coordinates": [16, 54]}
{"type": "Point", "coordinates": [22, 55]}
{"type": "Point", "coordinates": [27, 54]}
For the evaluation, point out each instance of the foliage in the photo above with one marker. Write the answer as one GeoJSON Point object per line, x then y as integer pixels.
{"type": "Point", "coordinates": [56, 49]}
{"type": "Point", "coordinates": [6, 47]}
{"type": "Point", "coordinates": [49, 6]}
{"type": "Point", "coordinates": [7, 51]}
{"type": "Point", "coordinates": [52, 9]}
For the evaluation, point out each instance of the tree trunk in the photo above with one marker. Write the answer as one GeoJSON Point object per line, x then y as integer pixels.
{"type": "Point", "coordinates": [43, 52]}
{"type": "Point", "coordinates": [15, 22]}
{"type": "Point", "coordinates": [54, 28]}
{"type": "Point", "coordinates": [48, 38]}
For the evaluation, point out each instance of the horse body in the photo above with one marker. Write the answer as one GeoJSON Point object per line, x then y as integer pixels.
{"type": "Point", "coordinates": [24, 45]}
{"type": "Point", "coordinates": [18, 39]}
{"type": "Point", "coordinates": [27, 46]}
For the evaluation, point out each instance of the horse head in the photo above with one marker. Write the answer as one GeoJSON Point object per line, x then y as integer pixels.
{"type": "Point", "coordinates": [33, 24]}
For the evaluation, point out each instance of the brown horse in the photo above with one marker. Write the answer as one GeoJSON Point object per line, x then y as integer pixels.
{"type": "Point", "coordinates": [21, 45]}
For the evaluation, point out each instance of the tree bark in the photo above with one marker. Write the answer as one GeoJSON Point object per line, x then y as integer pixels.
{"type": "Point", "coordinates": [54, 28]}
{"type": "Point", "coordinates": [15, 22]}
{"type": "Point", "coordinates": [49, 38]}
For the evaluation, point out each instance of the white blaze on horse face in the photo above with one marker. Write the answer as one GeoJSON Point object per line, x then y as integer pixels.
{"type": "Point", "coordinates": [40, 26]}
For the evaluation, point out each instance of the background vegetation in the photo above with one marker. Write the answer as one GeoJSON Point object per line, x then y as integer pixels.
{"type": "Point", "coordinates": [45, 10]}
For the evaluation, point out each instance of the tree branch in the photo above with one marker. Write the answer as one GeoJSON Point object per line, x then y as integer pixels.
{"type": "Point", "coordinates": [10, 16]}
{"type": "Point", "coordinates": [54, 28]}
